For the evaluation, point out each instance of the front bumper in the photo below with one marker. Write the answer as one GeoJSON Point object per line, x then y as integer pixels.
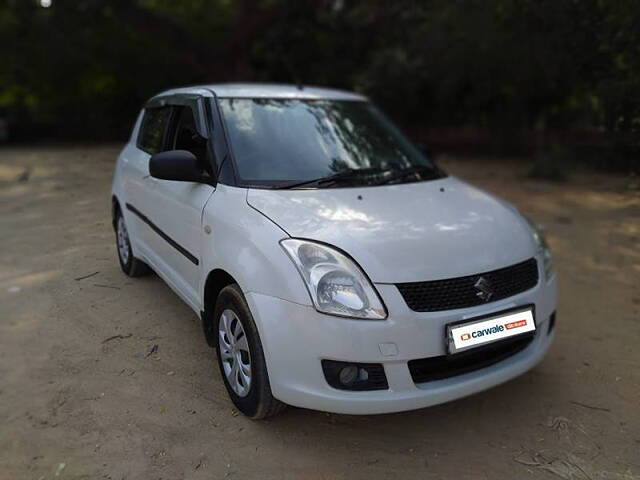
{"type": "Point", "coordinates": [295, 339]}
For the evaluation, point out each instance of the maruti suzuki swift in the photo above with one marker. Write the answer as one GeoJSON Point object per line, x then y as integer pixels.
{"type": "Point", "coordinates": [333, 265]}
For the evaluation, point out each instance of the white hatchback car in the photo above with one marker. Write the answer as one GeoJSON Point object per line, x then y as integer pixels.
{"type": "Point", "coordinates": [334, 266]}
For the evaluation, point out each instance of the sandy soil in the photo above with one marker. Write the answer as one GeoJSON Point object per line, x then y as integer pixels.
{"type": "Point", "coordinates": [75, 405]}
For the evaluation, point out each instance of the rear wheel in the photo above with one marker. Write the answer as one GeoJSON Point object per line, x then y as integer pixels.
{"type": "Point", "coordinates": [240, 356]}
{"type": "Point", "coordinates": [129, 264]}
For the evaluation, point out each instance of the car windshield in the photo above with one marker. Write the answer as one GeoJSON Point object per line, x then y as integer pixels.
{"type": "Point", "coordinates": [277, 142]}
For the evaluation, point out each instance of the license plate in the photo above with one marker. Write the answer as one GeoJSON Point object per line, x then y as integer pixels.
{"type": "Point", "coordinates": [488, 329]}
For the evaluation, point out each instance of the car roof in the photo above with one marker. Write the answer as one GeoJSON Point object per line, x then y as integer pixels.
{"type": "Point", "coordinates": [266, 90]}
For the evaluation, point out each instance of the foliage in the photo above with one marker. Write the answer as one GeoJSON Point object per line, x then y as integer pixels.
{"type": "Point", "coordinates": [81, 68]}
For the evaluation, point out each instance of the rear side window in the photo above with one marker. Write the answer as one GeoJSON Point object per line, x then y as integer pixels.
{"type": "Point", "coordinates": [154, 124]}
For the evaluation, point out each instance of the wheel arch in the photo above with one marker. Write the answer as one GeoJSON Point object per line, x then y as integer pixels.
{"type": "Point", "coordinates": [217, 279]}
{"type": "Point", "coordinates": [115, 208]}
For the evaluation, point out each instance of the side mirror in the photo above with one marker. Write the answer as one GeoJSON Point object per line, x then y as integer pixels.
{"type": "Point", "coordinates": [177, 165]}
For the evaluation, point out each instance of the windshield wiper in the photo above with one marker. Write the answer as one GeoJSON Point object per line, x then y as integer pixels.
{"type": "Point", "coordinates": [344, 175]}
{"type": "Point", "coordinates": [425, 172]}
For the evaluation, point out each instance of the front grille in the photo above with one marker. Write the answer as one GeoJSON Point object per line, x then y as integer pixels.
{"type": "Point", "coordinates": [451, 293]}
{"type": "Point", "coordinates": [446, 366]}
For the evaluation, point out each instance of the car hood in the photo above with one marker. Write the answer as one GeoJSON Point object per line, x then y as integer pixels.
{"type": "Point", "coordinates": [408, 232]}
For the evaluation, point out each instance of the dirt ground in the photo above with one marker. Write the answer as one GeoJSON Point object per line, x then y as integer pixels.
{"type": "Point", "coordinates": [82, 397]}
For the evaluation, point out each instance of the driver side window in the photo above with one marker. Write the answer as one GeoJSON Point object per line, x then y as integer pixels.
{"type": "Point", "coordinates": [186, 137]}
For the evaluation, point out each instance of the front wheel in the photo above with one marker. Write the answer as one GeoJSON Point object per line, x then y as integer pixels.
{"type": "Point", "coordinates": [240, 356]}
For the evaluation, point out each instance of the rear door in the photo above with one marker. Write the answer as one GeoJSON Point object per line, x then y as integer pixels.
{"type": "Point", "coordinates": [151, 137]}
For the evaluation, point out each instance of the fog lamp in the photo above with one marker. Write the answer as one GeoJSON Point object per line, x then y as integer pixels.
{"type": "Point", "coordinates": [348, 375]}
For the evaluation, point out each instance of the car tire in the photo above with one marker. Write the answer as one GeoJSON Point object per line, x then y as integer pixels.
{"type": "Point", "coordinates": [130, 265]}
{"type": "Point", "coordinates": [238, 346]}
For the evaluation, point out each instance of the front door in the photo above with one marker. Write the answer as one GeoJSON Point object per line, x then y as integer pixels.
{"type": "Point", "coordinates": [175, 208]}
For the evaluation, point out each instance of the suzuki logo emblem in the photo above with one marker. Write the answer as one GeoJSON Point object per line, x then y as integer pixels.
{"type": "Point", "coordinates": [485, 290]}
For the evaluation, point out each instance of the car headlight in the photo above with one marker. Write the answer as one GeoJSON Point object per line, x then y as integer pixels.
{"type": "Point", "coordinates": [336, 284]}
{"type": "Point", "coordinates": [543, 249]}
